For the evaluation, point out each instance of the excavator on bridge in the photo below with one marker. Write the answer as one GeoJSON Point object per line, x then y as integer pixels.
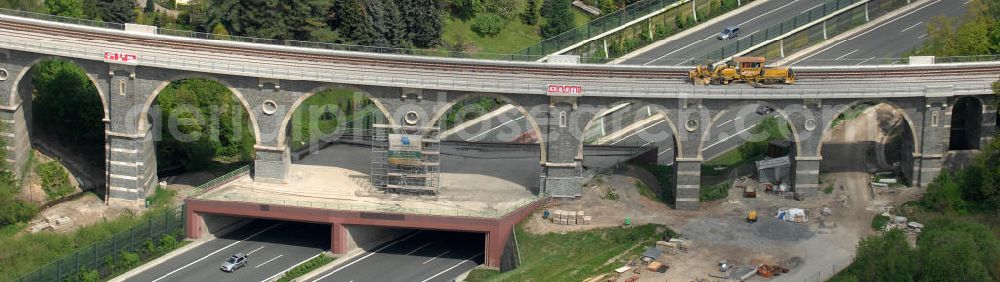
{"type": "Point", "coordinates": [750, 70]}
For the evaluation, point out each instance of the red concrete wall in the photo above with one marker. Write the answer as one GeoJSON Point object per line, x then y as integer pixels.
{"type": "Point", "coordinates": [497, 229]}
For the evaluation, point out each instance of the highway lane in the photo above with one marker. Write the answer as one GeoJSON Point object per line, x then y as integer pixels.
{"type": "Point", "coordinates": [886, 41]}
{"type": "Point", "coordinates": [502, 127]}
{"type": "Point", "coordinates": [683, 50]}
{"type": "Point", "coordinates": [421, 256]}
{"type": "Point", "coordinates": [269, 248]}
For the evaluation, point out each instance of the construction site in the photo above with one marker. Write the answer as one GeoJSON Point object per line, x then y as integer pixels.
{"type": "Point", "coordinates": [758, 232]}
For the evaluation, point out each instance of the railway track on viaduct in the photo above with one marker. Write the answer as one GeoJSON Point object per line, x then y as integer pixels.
{"type": "Point", "coordinates": [587, 71]}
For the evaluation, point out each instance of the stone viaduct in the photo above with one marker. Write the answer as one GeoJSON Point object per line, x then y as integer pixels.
{"type": "Point", "coordinates": [559, 100]}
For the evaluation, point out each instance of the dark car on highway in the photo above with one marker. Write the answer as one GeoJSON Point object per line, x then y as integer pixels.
{"type": "Point", "coordinates": [234, 262]}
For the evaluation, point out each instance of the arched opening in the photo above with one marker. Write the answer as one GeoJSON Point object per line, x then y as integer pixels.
{"type": "Point", "coordinates": [63, 116]}
{"type": "Point", "coordinates": [867, 139]}
{"type": "Point", "coordinates": [966, 124]}
{"type": "Point", "coordinates": [331, 129]}
{"type": "Point", "coordinates": [632, 139]}
{"type": "Point", "coordinates": [201, 129]}
{"type": "Point", "coordinates": [491, 139]}
{"type": "Point", "coordinates": [755, 140]}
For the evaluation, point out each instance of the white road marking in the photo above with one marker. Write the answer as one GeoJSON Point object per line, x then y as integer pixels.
{"type": "Point", "coordinates": [290, 268]}
{"type": "Point", "coordinates": [664, 151]}
{"type": "Point", "coordinates": [810, 9]}
{"type": "Point", "coordinates": [922, 36]}
{"type": "Point", "coordinates": [418, 248]}
{"type": "Point", "coordinates": [892, 20]}
{"type": "Point", "coordinates": [675, 51]}
{"type": "Point", "coordinates": [820, 51]}
{"type": "Point", "coordinates": [647, 143]}
{"type": "Point", "coordinates": [366, 256]}
{"type": "Point", "coordinates": [728, 121]}
{"type": "Point", "coordinates": [637, 131]}
{"type": "Point", "coordinates": [912, 26]}
{"type": "Point", "coordinates": [270, 260]}
{"type": "Point", "coordinates": [768, 12]}
{"type": "Point", "coordinates": [731, 137]}
{"type": "Point", "coordinates": [258, 249]}
{"type": "Point", "coordinates": [866, 60]}
{"type": "Point", "coordinates": [727, 138]}
{"type": "Point", "coordinates": [217, 251]}
{"type": "Point", "coordinates": [845, 55]}
{"type": "Point", "coordinates": [452, 267]}
{"type": "Point", "coordinates": [685, 62]}
{"type": "Point", "coordinates": [429, 260]}
{"type": "Point", "coordinates": [498, 126]}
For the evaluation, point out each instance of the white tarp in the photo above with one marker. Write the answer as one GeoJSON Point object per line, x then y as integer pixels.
{"type": "Point", "coordinates": [791, 214]}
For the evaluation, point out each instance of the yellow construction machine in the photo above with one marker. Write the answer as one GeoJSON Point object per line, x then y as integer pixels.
{"type": "Point", "coordinates": [749, 70]}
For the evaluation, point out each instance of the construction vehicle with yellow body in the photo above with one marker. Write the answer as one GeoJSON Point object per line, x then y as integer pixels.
{"type": "Point", "coordinates": [749, 70]}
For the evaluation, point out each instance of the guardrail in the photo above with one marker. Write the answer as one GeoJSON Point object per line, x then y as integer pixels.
{"type": "Point", "coordinates": [388, 208]}
{"type": "Point", "coordinates": [808, 18]}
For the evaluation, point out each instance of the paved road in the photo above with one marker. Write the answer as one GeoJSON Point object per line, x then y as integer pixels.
{"type": "Point", "coordinates": [500, 128]}
{"type": "Point", "coordinates": [420, 257]}
{"type": "Point", "coordinates": [889, 39]}
{"type": "Point", "coordinates": [732, 130]}
{"type": "Point", "coordinates": [683, 50]}
{"type": "Point", "coordinates": [267, 243]}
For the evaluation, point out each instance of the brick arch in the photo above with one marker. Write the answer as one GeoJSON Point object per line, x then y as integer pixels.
{"type": "Point", "coordinates": [782, 112]}
{"type": "Point", "coordinates": [143, 125]}
{"type": "Point", "coordinates": [298, 102]}
{"type": "Point", "coordinates": [27, 69]}
{"type": "Point", "coordinates": [909, 122]}
{"type": "Point", "coordinates": [520, 108]}
{"type": "Point", "coordinates": [678, 146]}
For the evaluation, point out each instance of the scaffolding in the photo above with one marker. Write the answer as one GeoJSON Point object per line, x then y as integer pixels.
{"type": "Point", "coordinates": [405, 159]}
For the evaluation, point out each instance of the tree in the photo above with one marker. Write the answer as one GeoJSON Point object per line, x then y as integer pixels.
{"type": "Point", "coordinates": [530, 15]}
{"type": "Point", "coordinates": [150, 6]}
{"type": "Point", "coordinates": [116, 11]}
{"type": "Point", "coordinates": [354, 25]}
{"type": "Point", "coordinates": [274, 19]}
{"type": "Point", "coordinates": [423, 21]}
{"type": "Point", "coordinates": [558, 16]}
{"type": "Point", "coordinates": [466, 9]}
{"type": "Point", "coordinates": [65, 8]}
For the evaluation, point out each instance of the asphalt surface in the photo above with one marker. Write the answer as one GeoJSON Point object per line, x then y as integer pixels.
{"type": "Point", "coordinates": [684, 50]}
{"type": "Point", "coordinates": [269, 248]}
{"type": "Point", "coordinates": [885, 42]}
{"type": "Point", "coordinates": [420, 257]}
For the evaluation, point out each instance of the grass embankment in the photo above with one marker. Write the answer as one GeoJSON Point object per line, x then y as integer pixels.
{"type": "Point", "coordinates": [573, 256]}
{"type": "Point", "coordinates": [306, 267]}
{"type": "Point", "coordinates": [515, 36]}
{"type": "Point", "coordinates": [22, 254]}
{"type": "Point", "coordinates": [664, 175]}
{"type": "Point", "coordinates": [852, 112]}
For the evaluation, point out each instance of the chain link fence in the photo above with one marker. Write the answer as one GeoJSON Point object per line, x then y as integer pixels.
{"type": "Point", "coordinates": [117, 253]}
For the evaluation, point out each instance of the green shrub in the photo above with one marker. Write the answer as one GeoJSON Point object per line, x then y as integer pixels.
{"type": "Point", "coordinates": [129, 259]}
{"type": "Point", "coordinates": [306, 267]}
{"type": "Point", "coordinates": [488, 24]}
{"type": "Point", "coordinates": [662, 31]}
{"type": "Point", "coordinates": [167, 243]}
{"type": "Point", "coordinates": [55, 180]}
{"type": "Point", "coordinates": [879, 221]}
{"type": "Point", "coordinates": [680, 21]}
{"type": "Point", "coordinates": [828, 190]}
{"type": "Point", "coordinates": [14, 210]}
{"type": "Point", "coordinates": [715, 192]}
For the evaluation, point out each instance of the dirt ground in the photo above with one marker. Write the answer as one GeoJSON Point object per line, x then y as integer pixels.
{"type": "Point", "coordinates": [718, 231]}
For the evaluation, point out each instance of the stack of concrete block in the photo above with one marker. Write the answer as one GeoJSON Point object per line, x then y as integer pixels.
{"type": "Point", "coordinates": [569, 217]}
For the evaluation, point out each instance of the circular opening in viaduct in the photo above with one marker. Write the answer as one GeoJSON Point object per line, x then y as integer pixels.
{"type": "Point", "coordinates": [411, 118]}
{"type": "Point", "coordinates": [3, 74]}
{"type": "Point", "coordinates": [269, 107]}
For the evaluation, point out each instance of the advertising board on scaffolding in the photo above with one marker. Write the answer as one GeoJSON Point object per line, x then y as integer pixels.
{"type": "Point", "coordinates": [405, 149]}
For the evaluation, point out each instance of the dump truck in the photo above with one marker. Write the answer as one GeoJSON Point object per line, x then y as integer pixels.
{"type": "Point", "coordinates": [749, 70]}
